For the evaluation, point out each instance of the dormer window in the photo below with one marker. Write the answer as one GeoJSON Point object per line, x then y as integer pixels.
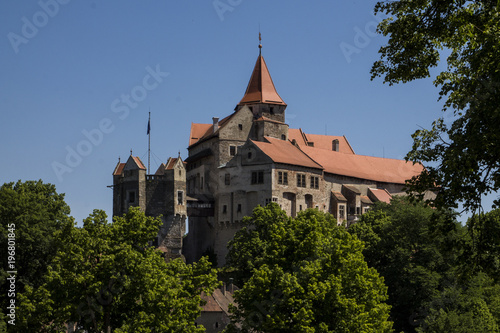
{"type": "Point", "coordinates": [335, 145]}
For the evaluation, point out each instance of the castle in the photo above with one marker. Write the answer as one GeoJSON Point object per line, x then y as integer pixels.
{"type": "Point", "coordinates": [250, 158]}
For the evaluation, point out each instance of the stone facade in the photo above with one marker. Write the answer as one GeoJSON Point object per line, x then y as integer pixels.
{"type": "Point", "coordinates": [162, 194]}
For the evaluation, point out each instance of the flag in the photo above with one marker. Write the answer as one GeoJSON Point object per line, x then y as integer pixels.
{"type": "Point", "coordinates": [149, 126]}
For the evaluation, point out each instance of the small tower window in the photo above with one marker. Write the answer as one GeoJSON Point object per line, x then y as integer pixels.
{"type": "Point", "coordinates": [239, 208]}
{"type": "Point", "coordinates": [180, 197]}
{"type": "Point", "coordinates": [131, 196]}
{"type": "Point", "coordinates": [232, 150]}
{"type": "Point", "coordinates": [240, 126]}
{"type": "Point", "coordinates": [283, 137]}
{"type": "Point", "coordinates": [271, 110]}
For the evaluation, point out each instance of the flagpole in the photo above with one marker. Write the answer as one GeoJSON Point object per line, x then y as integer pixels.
{"type": "Point", "coordinates": [149, 142]}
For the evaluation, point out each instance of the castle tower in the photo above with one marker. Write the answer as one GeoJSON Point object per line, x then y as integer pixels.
{"type": "Point", "coordinates": [129, 185]}
{"type": "Point", "coordinates": [261, 95]}
{"type": "Point", "coordinates": [162, 194]}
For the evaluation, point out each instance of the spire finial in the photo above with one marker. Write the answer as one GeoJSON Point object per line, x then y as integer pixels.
{"type": "Point", "coordinates": [179, 154]}
{"type": "Point", "coordinates": [130, 151]}
{"type": "Point", "coordinates": [260, 42]}
{"type": "Point", "coordinates": [119, 159]}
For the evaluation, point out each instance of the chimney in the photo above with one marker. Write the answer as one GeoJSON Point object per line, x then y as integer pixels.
{"type": "Point", "coordinates": [216, 123]}
{"type": "Point", "coordinates": [223, 288]}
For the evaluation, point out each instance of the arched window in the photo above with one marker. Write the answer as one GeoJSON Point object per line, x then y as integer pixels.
{"type": "Point", "coordinates": [335, 145]}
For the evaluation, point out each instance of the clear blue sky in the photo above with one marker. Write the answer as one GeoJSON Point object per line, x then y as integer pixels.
{"type": "Point", "coordinates": [67, 66]}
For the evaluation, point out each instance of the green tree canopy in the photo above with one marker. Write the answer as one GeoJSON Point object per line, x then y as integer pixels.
{"type": "Point", "coordinates": [105, 278]}
{"type": "Point", "coordinates": [439, 278]}
{"type": "Point", "coordinates": [415, 248]}
{"type": "Point", "coordinates": [303, 274]}
{"type": "Point", "coordinates": [473, 307]}
{"type": "Point", "coordinates": [461, 154]}
{"type": "Point", "coordinates": [32, 211]}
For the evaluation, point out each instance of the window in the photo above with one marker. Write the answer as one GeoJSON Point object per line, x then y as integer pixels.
{"type": "Point", "coordinates": [224, 209]}
{"type": "Point", "coordinates": [282, 177]}
{"type": "Point", "coordinates": [180, 172]}
{"type": "Point", "coordinates": [341, 211]}
{"type": "Point", "coordinates": [301, 180]}
{"type": "Point", "coordinates": [180, 199]}
{"type": "Point", "coordinates": [335, 145]}
{"type": "Point", "coordinates": [249, 155]}
{"type": "Point", "coordinates": [268, 200]}
{"type": "Point", "coordinates": [240, 126]}
{"type": "Point", "coordinates": [232, 150]}
{"type": "Point", "coordinates": [275, 199]}
{"type": "Point", "coordinates": [271, 110]}
{"type": "Point", "coordinates": [257, 177]}
{"type": "Point", "coordinates": [358, 210]}
{"type": "Point", "coordinates": [239, 208]}
{"type": "Point", "coordinates": [314, 182]}
{"type": "Point", "coordinates": [227, 179]}
{"type": "Point", "coordinates": [131, 196]}
{"type": "Point", "coordinates": [283, 137]}
{"type": "Point", "coordinates": [300, 207]}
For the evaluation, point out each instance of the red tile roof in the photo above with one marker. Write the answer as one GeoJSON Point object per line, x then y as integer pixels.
{"type": "Point", "coordinates": [198, 131]}
{"type": "Point", "coordinates": [139, 163]}
{"type": "Point", "coordinates": [171, 163]}
{"type": "Point", "coordinates": [261, 88]}
{"type": "Point", "coordinates": [118, 169]}
{"type": "Point", "coordinates": [217, 302]}
{"type": "Point", "coordinates": [270, 120]}
{"type": "Point", "coordinates": [365, 199]}
{"type": "Point", "coordinates": [364, 167]}
{"type": "Point", "coordinates": [281, 151]}
{"type": "Point", "coordinates": [339, 196]}
{"type": "Point", "coordinates": [380, 194]}
{"type": "Point", "coordinates": [319, 141]}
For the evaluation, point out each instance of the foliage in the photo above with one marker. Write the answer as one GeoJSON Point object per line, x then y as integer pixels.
{"type": "Point", "coordinates": [483, 252]}
{"type": "Point", "coordinates": [303, 274]}
{"type": "Point", "coordinates": [415, 248]}
{"type": "Point", "coordinates": [474, 307]}
{"type": "Point", "coordinates": [32, 211]}
{"type": "Point", "coordinates": [460, 157]}
{"type": "Point", "coordinates": [106, 278]}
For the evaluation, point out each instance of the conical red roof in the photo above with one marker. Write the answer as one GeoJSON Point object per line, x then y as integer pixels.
{"type": "Point", "coordinates": [261, 87]}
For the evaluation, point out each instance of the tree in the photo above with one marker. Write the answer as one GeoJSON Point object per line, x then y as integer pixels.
{"type": "Point", "coordinates": [482, 253]}
{"type": "Point", "coordinates": [416, 249]}
{"type": "Point", "coordinates": [460, 156]}
{"type": "Point", "coordinates": [31, 212]}
{"type": "Point", "coordinates": [303, 274]}
{"type": "Point", "coordinates": [470, 307]}
{"type": "Point", "coordinates": [106, 278]}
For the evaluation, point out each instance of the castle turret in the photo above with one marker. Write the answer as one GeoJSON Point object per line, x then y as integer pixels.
{"type": "Point", "coordinates": [129, 185]}
{"type": "Point", "coordinates": [261, 95]}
